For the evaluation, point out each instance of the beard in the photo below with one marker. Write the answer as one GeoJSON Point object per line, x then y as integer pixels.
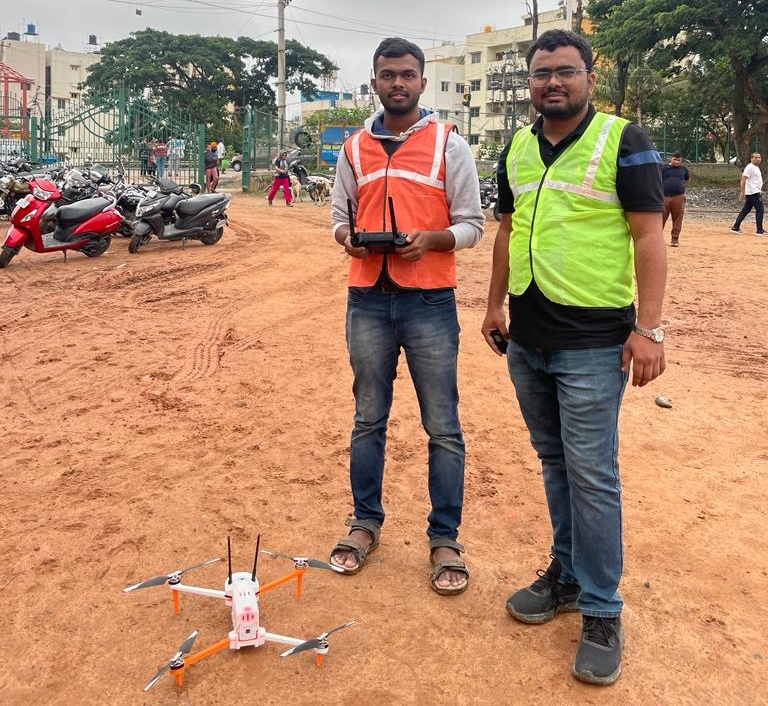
{"type": "Point", "coordinates": [563, 111]}
{"type": "Point", "coordinates": [399, 108]}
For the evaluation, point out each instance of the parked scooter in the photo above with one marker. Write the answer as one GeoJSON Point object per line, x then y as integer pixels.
{"type": "Point", "coordinates": [40, 226]}
{"type": "Point", "coordinates": [173, 215]}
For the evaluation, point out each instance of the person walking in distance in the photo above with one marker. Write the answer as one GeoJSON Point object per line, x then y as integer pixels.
{"type": "Point", "coordinates": [405, 300]}
{"type": "Point", "coordinates": [282, 178]}
{"type": "Point", "coordinates": [581, 199]}
{"type": "Point", "coordinates": [751, 188]}
{"type": "Point", "coordinates": [675, 177]}
{"type": "Point", "coordinates": [211, 165]}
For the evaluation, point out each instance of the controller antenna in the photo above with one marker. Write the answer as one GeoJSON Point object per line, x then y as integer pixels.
{"type": "Point", "coordinates": [256, 557]}
{"type": "Point", "coordinates": [392, 215]}
{"type": "Point", "coordinates": [351, 218]}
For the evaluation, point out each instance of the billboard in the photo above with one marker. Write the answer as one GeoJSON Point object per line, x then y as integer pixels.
{"type": "Point", "coordinates": [332, 137]}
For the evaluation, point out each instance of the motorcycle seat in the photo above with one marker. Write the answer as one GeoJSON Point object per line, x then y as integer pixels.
{"type": "Point", "coordinates": [198, 203]}
{"type": "Point", "coordinates": [81, 211]}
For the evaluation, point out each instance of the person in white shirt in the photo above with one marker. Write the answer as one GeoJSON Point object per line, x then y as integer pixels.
{"type": "Point", "coordinates": [220, 151]}
{"type": "Point", "coordinates": [176, 147]}
{"type": "Point", "coordinates": [751, 188]}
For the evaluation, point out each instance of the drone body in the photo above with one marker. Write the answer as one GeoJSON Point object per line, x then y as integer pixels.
{"type": "Point", "coordinates": [241, 594]}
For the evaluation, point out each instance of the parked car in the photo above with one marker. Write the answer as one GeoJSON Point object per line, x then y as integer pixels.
{"type": "Point", "coordinates": [236, 163]}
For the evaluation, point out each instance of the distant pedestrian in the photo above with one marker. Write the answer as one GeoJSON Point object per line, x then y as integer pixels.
{"type": "Point", "coordinates": [160, 153]}
{"type": "Point", "coordinates": [282, 178]}
{"type": "Point", "coordinates": [751, 188]}
{"type": "Point", "coordinates": [145, 154]}
{"type": "Point", "coordinates": [220, 151]}
{"type": "Point", "coordinates": [176, 147]}
{"type": "Point", "coordinates": [211, 168]}
{"type": "Point", "coordinates": [675, 177]}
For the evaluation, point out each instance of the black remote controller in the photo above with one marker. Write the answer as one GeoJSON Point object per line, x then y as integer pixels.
{"type": "Point", "coordinates": [380, 242]}
{"type": "Point", "coordinates": [499, 340]}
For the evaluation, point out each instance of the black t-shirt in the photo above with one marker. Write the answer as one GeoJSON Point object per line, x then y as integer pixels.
{"type": "Point", "coordinates": [674, 178]}
{"type": "Point", "coordinates": [535, 320]}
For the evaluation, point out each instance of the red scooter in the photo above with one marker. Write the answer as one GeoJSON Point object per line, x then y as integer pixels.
{"type": "Point", "coordinates": [39, 224]}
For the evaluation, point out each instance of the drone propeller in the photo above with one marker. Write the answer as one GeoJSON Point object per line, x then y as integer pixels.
{"type": "Point", "coordinates": [302, 561]}
{"type": "Point", "coordinates": [174, 575]}
{"type": "Point", "coordinates": [176, 661]}
{"type": "Point", "coordinates": [319, 642]}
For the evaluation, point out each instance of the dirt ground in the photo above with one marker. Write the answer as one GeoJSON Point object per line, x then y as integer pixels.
{"type": "Point", "coordinates": [155, 403]}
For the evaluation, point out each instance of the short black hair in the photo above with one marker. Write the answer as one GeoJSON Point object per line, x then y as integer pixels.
{"type": "Point", "coordinates": [394, 48]}
{"type": "Point", "coordinates": [554, 38]}
{"type": "Point", "coordinates": [679, 155]}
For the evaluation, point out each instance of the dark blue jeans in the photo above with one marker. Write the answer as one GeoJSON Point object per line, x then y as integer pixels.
{"type": "Point", "coordinates": [751, 201]}
{"type": "Point", "coordinates": [570, 400]}
{"type": "Point", "coordinates": [424, 324]}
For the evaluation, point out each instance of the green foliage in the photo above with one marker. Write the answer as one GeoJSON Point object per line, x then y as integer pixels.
{"type": "Point", "coordinates": [337, 116]}
{"type": "Point", "coordinates": [203, 76]}
{"type": "Point", "coordinates": [720, 47]}
{"type": "Point", "coordinates": [489, 150]}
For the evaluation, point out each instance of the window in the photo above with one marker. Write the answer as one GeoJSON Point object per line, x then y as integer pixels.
{"type": "Point", "coordinates": [474, 139]}
{"type": "Point", "coordinates": [474, 112]}
{"type": "Point", "coordinates": [445, 86]}
{"type": "Point", "coordinates": [474, 57]}
{"type": "Point", "coordinates": [474, 86]}
{"type": "Point", "coordinates": [61, 103]}
{"type": "Point", "coordinates": [442, 114]}
{"type": "Point", "coordinates": [459, 88]}
{"type": "Point", "coordinates": [74, 95]}
{"type": "Point", "coordinates": [74, 67]}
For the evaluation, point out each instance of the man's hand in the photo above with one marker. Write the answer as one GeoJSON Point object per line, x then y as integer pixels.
{"type": "Point", "coordinates": [494, 320]}
{"type": "Point", "coordinates": [418, 244]}
{"type": "Point", "coordinates": [360, 252]}
{"type": "Point", "coordinates": [646, 356]}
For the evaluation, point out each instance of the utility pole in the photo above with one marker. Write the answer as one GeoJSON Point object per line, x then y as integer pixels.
{"type": "Point", "coordinates": [281, 5]}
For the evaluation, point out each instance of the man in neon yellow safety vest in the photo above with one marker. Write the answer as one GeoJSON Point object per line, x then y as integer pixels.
{"type": "Point", "coordinates": [581, 198]}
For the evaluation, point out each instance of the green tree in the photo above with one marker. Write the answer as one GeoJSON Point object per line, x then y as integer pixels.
{"type": "Point", "coordinates": [203, 76]}
{"type": "Point", "coordinates": [725, 35]}
{"type": "Point", "coordinates": [337, 116]}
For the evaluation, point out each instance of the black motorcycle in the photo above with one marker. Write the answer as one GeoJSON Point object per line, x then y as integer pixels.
{"type": "Point", "coordinates": [172, 213]}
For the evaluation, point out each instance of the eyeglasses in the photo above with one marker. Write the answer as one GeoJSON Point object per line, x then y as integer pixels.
{"type": "Point", "coordinates": [542, 78]}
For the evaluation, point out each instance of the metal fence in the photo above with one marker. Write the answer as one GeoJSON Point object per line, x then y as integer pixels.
{"type": "Point", "coordinates": [109, 129]}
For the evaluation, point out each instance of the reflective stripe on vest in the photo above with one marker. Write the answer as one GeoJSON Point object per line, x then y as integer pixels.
{"type": "Point", "coordinates": [590, 262]}
{"type": "Point", "coordinates": [414, 176]}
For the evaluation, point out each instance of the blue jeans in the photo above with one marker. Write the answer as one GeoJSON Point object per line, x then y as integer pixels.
{"type": "Point", "coordinates": [425, 325]}
{"type": "Point", "coordinates": [570, 401]}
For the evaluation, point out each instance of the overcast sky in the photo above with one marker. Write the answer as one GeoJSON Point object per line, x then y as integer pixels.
{"type": "Point", "coordinates": [347, 31]}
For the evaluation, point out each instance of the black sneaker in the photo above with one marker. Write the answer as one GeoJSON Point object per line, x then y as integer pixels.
{"type": "Point", "coordinates": [598, 660]}
{"type": "Point", "coordinates": [544, 598]}
{"type": "Point", "coordinates": [734, 229]}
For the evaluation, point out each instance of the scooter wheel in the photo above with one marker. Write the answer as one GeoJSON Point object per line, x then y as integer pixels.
{"type": "Point", "coordinates": [213, 238]}
{"type": "Point", "coordinates": [136, 242]}
{"type": "Point", "coordinates": [7, 255]}
{"type": "Point", "coordinates": [96, 248]}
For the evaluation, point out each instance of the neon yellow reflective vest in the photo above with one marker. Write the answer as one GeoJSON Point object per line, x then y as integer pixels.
{"type": "Point", "coordinates": [589, 262]}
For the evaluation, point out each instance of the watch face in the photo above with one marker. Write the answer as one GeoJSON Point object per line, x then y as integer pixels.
{"type": "Point", "coordinates": [658, 335]}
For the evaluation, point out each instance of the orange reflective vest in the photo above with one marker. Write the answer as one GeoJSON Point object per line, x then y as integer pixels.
{"type": "Point", "coordinates": [414, 176]}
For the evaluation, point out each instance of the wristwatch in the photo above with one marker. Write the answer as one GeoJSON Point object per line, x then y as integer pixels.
{"type": "Point", "coordinates": [655, 334]}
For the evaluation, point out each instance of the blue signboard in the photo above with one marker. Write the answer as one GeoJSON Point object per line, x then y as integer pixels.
{"type": "Point", "coordinates": [331, 139]}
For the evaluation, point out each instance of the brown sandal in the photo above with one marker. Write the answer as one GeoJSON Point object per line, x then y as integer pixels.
{"type": "Point", "coordinates": [441, 566]}
{"type": "Point", "coordinates": [350, 545]}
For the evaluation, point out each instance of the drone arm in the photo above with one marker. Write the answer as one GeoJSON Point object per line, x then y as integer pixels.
{"type": "Point", "coordinates": [197, 590]}
{"type": "Point", "coordinates": [283, 639]}
{"type": "Point", "coordinates": [297, 574]}
{"type": "Point", "coordinates": [207, 651]}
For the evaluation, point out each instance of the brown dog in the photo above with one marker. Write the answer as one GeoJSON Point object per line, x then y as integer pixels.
{"type": "Point", "coordinates": [321, 189]}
